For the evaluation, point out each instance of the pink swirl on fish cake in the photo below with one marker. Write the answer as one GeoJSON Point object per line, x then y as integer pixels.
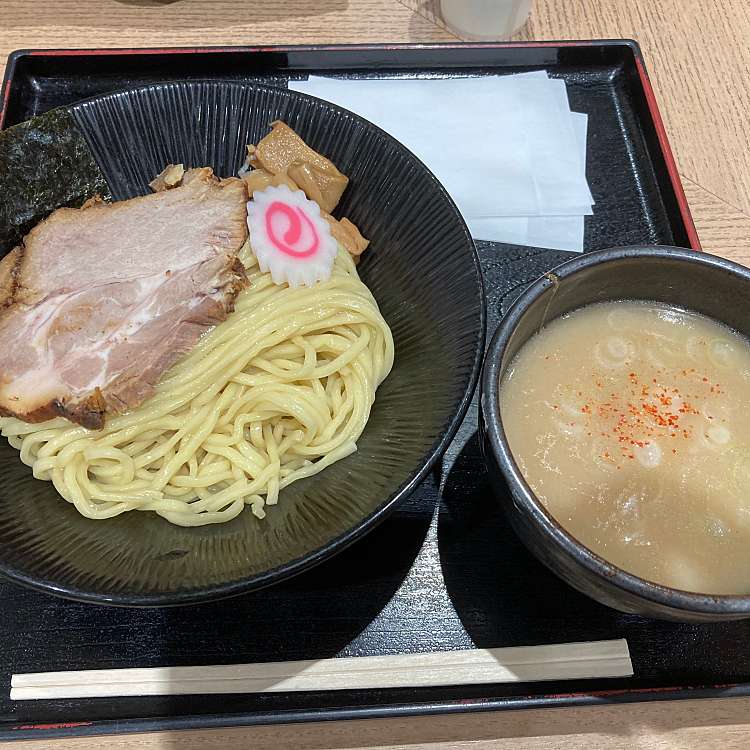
{"type": "Point", "coordinates": [297, 220]}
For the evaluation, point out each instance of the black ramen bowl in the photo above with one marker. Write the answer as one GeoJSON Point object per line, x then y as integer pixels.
{"type": "Point", "coordinates": [422, 269]}
{"type": "Point", "coordinates": [696, 281]}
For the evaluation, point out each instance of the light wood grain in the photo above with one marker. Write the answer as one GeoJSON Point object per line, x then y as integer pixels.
{"type": "Point", "coordinates": [724, 230]}
{"type": "Point", "coordinates": [123, 23]}
{"type": "Point", "coordinates": [699, 60]}
{"type": "Point", "coordinates": [687, 725]}
{"type": "Point", "coordinates": [698, 55]}
{"type": "Point", "coordinates": [559, 661]}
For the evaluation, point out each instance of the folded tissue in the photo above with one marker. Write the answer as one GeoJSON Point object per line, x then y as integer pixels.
{"type": "Point", "coordinates": [507, 148]}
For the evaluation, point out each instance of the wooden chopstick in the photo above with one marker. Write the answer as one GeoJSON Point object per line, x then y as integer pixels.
{"type": "Point", "coordinates": [565, 661]}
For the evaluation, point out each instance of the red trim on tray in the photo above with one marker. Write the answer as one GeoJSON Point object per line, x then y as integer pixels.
{"type": "Point", "coordinates": [629, 691]}
{"type": "Point", "coordinates": [4, 102]}
{"type": "Point", "coordinates": [300, 47]}
{"type": "Point", "coordinates": [674, 174]}
{"type": "Point", "coordinates": [465, 701]}
{"type": "Point", "coordinates": [61, 725]}
{"type": "Point", "coordinates": [141, 51]}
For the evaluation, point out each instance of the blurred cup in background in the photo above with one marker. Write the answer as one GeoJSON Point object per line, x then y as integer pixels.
{"type": "Point", "coordinates": [485, 19]}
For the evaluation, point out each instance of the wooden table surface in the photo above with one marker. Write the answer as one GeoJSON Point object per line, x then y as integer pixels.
{"type": "Point", "coordinates": [698, 56]}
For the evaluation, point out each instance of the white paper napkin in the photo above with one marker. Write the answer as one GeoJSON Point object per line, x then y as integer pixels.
{"type": "Point", "coordinates": [556, 232]}
{"type": "Point", "coordinates": [446, 123]}
{"type": "Point", "coordinates": [507, 148]}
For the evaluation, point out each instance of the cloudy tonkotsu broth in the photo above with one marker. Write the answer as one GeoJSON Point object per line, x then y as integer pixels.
{"type": "Point", "coordinates": [631, 423]}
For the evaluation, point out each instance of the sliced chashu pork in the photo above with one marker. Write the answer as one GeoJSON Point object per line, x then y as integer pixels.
{"type": "Point", "coordinates": [98, 302]}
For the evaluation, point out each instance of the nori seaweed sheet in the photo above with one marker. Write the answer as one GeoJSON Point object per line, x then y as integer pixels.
{"type": "Point", "coordinates": [44, 164]}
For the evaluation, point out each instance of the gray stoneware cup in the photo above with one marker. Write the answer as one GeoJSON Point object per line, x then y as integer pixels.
{"type": "Point", "coordinates": [687, 279]}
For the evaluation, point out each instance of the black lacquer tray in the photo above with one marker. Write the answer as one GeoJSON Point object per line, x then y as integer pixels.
{"type": "Point", "coordinates": [444, 572]}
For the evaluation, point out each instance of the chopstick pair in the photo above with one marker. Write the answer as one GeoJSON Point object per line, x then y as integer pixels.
{"type": "Point", "coordinates": [567, 661]}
